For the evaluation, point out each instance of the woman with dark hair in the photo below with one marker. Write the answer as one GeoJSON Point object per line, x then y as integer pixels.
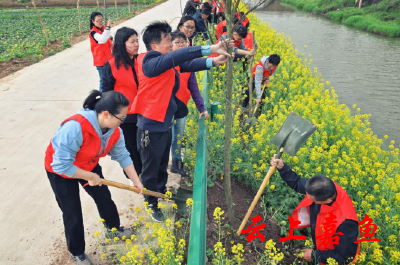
{"type": "Point", "coordinates": [100, 41]}
{"type": "Point", "coordinates": [72, 158]}
{"type": "Point", "coordinates": [187, 25]}
{"type": "Point", "coordinates": [188, 87]}
{"type": "Point", "coordinates": [120, 74]}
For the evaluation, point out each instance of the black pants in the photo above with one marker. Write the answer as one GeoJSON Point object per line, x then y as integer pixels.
{"type": "Point", "coordinates": [130, 130]}
{"type": "Point", "coordinates": [68, 199]}
{"type": "Point", "coordinates": [155, 158]}
{"type": "Point", "coordinates": [247, 93]}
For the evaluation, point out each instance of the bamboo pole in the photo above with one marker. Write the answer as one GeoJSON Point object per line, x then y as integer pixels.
{"type": "Point", "coordinates": [116, 8]}
{"type": "Point", "coordinates": [105, 12]}
{"type": "Point", "coordinates": [98, 5]}
{"type": "Point", "coordinates": [44, 26]}
{"type": "Point", "coordinates": [79, 17]}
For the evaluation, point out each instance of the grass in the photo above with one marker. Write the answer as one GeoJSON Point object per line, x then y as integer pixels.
{"type": "Point", "coordinates": [381, 18]}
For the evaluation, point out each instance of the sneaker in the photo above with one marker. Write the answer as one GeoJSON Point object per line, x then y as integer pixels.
{"type": "Point", "coordinates": [82, 259]}
{"type": "Point", "coordinates": [121, 232]}
{"type": "Point", "coordinates": [156, 213]}
{"type": "Point", "coordinates": [131, 183]}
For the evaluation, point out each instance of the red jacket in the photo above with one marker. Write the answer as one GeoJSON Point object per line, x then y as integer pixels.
{"type": "Point", "coordinates": [124, 81]}
{"type": "Point", "coordinates": [220, 29]}
{"type": "Point", "coordinates": [266, 72]}
{"type": "Point", "coordinates": [245, 22]}
{"type": "Point", "coordinates": [183, 93]}
{"type": "Point", "coordinates": [101, 52]}
{"type": "Point", "coordinates": [248, 41]}
{"type": "Point", "coordinates": [154, 93]}
{"type": "Point", "coordinates": [342, 208]}
{"type": "Point", "coordinates": [89, 154]}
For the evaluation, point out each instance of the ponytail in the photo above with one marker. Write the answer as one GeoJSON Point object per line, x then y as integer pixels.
{"type": "Point", "coordinates": [111, 101]}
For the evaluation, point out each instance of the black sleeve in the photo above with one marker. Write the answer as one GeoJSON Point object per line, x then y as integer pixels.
{"type": "Point", "coordinates": [187, 7]}
{"type": "Point", "coordinates": [293, 180]}
{"type": "Point", "coordinates": [108, 80]}
{"type": "Point", "coordinates": [194, 66]}
{"type": "Point", "coordinates": [155, 63]}
{"type": "Point", "coordinates": [92, 35]}
{"type": "Point", "coordinates": [346, 250]}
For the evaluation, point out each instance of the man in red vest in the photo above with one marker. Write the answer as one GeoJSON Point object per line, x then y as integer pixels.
{"type": "Point", "coordinates": [156, 103]}
{"type": "Point", "coordinates": [324, 199]}
{"type": "Point", "coordinates": [265, 68]}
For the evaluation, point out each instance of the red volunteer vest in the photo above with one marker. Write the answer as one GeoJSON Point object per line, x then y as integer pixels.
{"type": "Point", "coordinates": [124, 81]}
{"type": "Point", "coordinates": [266, 72]}
{"type": "Point", "coordinates": [89, 154]}
{"type": "Point", "coordinates": [245, 21]}
{"type": "Point", "coordinates": [183, 93]}
{"type": "Point", "coordinates": [154, 93]}
{"type": "Point", "coordinates": [101, 52]}
{"type": "Point", "coordinates": [342, 208]}
{"type": "Point", "coordinates": [220, 29]}
{"type": "Point", "coordinates": [248, 41]}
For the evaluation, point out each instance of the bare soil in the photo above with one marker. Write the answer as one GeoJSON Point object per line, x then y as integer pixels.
{"type": "Point", "coordinates": [242, 198]}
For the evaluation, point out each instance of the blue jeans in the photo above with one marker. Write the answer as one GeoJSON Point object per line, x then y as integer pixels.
{"type": "Point", "coordinates": [100, 69]}
{"type": "Point", "coordinates": [177, 129]}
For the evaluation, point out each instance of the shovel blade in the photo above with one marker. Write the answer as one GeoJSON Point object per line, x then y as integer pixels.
{"type": "Point", "coordinates": [293, 133]}
{"type": "Point", "coordinates": [180, 199]}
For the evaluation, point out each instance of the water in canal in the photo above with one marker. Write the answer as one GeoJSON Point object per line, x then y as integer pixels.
{"type": "Point", "coordinates": [364, 68]}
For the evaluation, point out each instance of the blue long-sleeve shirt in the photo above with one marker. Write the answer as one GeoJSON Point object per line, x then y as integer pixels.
{"type": "Point", "coordinates": [68, 140]}
{"type": "Point", "coordinates": [155, 63]}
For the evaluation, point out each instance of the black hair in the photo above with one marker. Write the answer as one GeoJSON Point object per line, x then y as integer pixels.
{"type": "Point", "coordinates": [184, 19]}
{"type": "Point", "coordinates": [240, 30]}
{"type": "Point", "coordinates": [206, 11]}
{"type": "Point", "coordinates": [321, 187]}
{"type": "Point", "coordinates": [92, 16]}
{"type": "Point", "coordinates": [178, 34]}
{"type": "Point", "coordinates": [111, 101]}
{"type": "Point", "coordinates": [152, 33]}
{"type": "Point", "coordinates": [236, 21]}
{"type": "Point", "coordinates": [119, 50]}
{"type": "Point", "coordinates": [275, 59]}
{"type": "Point", "coordinates": [221, 16]}
{"type": "Point", "coordinates": [241, 14]}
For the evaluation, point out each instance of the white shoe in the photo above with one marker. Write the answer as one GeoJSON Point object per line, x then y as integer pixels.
{"type": "Point", "coordinates": [131, 183]}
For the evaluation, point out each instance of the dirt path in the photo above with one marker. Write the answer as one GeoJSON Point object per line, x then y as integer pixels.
{"type": "Point", "coordinates": [33, 102]}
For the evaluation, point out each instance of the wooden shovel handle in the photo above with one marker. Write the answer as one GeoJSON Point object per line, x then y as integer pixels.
{"type": "Point", "coordinates": [255, 109]}
{"type": "Point", "coordinates": [259, 193]}
{"type": "Point", "coordinates": [131, 188]}
{"type": "Point", "coordinates": [255, 200]}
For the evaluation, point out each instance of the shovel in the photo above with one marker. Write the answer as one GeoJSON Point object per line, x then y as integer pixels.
{"type": "Point", "coordinates": [180, 198]}
{"type": "Point", "coordinates": [293, 133]}
{"type": "Point", "coordinates": [252, 121]}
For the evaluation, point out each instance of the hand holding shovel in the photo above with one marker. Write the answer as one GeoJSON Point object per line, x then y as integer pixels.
{"type": "Point", "coordinates": [293, 133]}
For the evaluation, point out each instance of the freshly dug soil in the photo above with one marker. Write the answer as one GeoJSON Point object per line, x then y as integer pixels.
{"type": "Point", "coordinates": [242, 198]}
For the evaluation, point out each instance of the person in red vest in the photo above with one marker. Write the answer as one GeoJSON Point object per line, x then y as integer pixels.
{"type": "Point", "coordinates": [243, 19]}
{"type": "Point", "coordinates": [187, 25]}
{"type": "Point", "coordinates": [265, 68]}
{"type": "Point", "coordinates": [240, 50]}
{"type": "Point", "coordinates": [157, 105]}
{"type": "Point", "coordinates": [120, 74]}
{"type": "Point", "coordinates": [218, 7]}
{"type": "Point", "coordinates": [72, 158]}
{"type": "Point", "coordinates": [100, 41]}
{"type": "Point", "coordinates": [188, 88]}
{"type": "Point", "coordinates": [248, 41]}
{"type": "Point", "coordinates": [324, 198]}
{"type": "Point", "coordinates": [221, 27]}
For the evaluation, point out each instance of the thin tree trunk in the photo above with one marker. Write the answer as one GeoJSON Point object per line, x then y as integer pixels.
{"type": "Point", "coordinates": [44, 26]}
{"type": "Point", "coordinates": [105, 12]}
{"type": "Point", "coordinates": [360, 3]}
{"type": "Point", "coordinates": [98, 5]}
{"type": "Point", "coordinates": [79, 17]}
{"type": "Point", "coordinates": [228, 119]}
{"type": "Point", "coordinates": [116, 8]}
{"type": "Point", "coordinates": [129, 6]}
{"type": "Point", "coordinates": [137, 4]}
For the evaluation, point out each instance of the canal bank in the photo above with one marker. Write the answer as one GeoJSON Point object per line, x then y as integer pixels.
{"type": "Point", "coordinates": [363, 68]}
